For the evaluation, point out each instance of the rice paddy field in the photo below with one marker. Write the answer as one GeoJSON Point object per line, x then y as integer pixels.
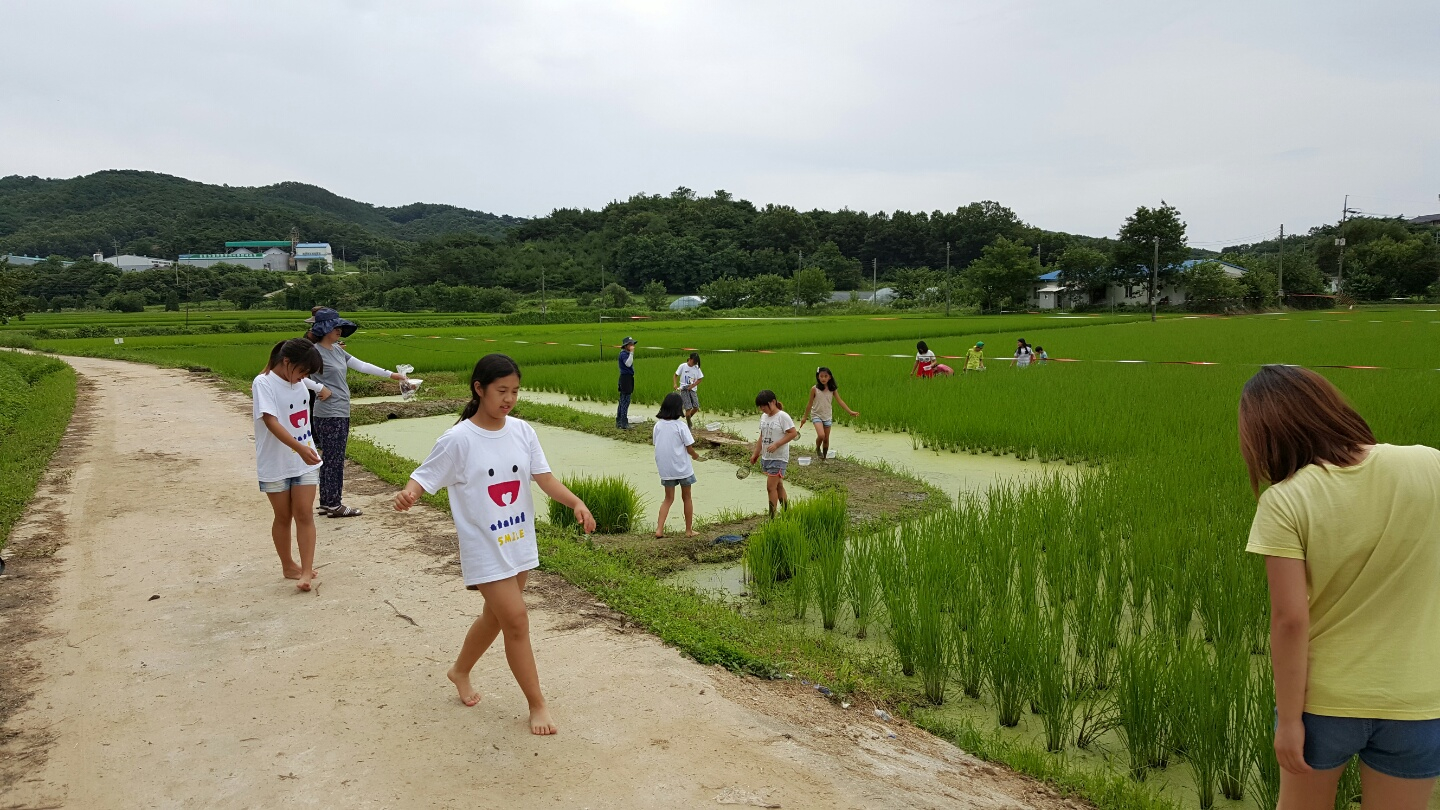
{"type": "Point", "coordinates": [1109, 617]}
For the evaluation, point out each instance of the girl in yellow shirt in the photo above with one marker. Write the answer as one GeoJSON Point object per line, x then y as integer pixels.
{"type": "Point", "coordinates": [1350, 532]}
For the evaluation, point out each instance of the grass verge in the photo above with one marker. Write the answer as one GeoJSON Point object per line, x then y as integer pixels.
{"type": "Point", "coordinates": [37, 396]}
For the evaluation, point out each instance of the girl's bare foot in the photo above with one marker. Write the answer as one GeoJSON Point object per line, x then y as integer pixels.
{"type": "Point", "coordinates": [659, 535]}
{"type": "Point", "coordinates": [305, 579]}
{"type": "Point", "coordinates": [291, 571]}
{"type": "Point", "coordinates": [540, 722]}
{"type": "Point", "coordinates": [468, 694]}
{"type": "Point", "coordinates": [692, 534]}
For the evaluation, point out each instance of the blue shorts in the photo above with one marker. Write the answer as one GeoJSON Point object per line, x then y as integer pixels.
{"type": "Point", "coordinates": [677, 482]}
{"type": "Point", "coordinates": [1405, 749]}
{"type": "Point", "coordinates": [774, 467]}
{"type": "Point", "coordinates": [309, 479]}
{"type": "Point", "coordinates": [817, 420]}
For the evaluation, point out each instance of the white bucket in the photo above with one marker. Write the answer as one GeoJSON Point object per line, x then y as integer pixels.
{"type": "Point", "coordinates": [713, 426]}
{"type": "Point", "coordinates": [804, 461]}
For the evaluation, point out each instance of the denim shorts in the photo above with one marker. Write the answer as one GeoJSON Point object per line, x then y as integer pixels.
{"type": "Point", "coordinates": [677, 482]}
{"type": "Point", "coordinates": [1405, 749]}
{"type": "Point", "coordinates": [774, 467]}
{"type": "Point", "coordinates": [309, 479]}
{"type": "Point", "coordinates": [817, 420]}
{"type": "Point", "coordinates": [689, 399]}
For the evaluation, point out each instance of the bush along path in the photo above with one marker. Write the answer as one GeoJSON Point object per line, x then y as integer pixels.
{"type": "Point", "coordinates": [223, 686]}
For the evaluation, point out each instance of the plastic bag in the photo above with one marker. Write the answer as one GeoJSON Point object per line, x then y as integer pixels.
{"type": "Point", "coordinates": [408, 387]}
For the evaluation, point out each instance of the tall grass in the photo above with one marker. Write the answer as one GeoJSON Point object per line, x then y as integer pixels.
{"type": "Point", "coordinates": [614, 502]}
{"type": "Point", "coordinates": [37, 395]}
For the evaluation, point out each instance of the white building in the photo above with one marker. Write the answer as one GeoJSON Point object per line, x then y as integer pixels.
{"type": "Point", "coordinates": [1050, 292]}
{"type": "Point", "coordinates": [129, 263]}
{"type": "Point", "coordinates": [307, 252]}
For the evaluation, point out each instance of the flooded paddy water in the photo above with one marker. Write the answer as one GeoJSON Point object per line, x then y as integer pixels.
{"type": "Point", "coordinates": [949, 472]}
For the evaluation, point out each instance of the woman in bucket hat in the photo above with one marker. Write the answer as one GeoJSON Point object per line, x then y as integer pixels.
{"type": "Point", "coordinates": [331, 414]}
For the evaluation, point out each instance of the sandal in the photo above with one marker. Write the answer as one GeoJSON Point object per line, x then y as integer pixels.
{"type": "Point", "coordinates": [324, 510]}
{"type": "Point", "coordinates": [343, 511]}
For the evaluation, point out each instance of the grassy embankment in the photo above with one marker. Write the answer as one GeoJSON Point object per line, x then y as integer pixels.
{"type": "Point", "coordinates": [37, 396]}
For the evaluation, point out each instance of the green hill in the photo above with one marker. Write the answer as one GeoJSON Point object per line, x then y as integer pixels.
{"type": "Point", "coordinates": [160, 215]}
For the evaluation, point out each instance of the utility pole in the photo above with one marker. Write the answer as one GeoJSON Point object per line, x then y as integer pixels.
{"type": "Point", "coordinates": [1154, 272]}
{"type": "Point", "coordinates": [947, 279]}
{"type": "Point", "coordinates": [543, 308]}
{"type": "Point", "coordinates": [601, 307]}
{"type": "Point", "coordinates": [1340, 242]}
{"type": "Point", "coordinates": [874, 284]}
{"type": "Point", "coordinates": [1280, 271]}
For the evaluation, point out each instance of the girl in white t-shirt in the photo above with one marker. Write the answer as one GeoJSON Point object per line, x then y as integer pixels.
{"type": "Point", "coordinates": [286, 461]}
{"type": "Point", "coordinates": [674, 448]}
{"type": "Point", "coordinates": [488, 461]}
{"type": "Point", "coordinates": [687, 382]}
{"type": "Point", "coordinates": [772, 449]}
{"type": "Point", "coordinates": [1023, 354]}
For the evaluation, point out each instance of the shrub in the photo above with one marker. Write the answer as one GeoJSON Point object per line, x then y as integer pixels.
{"type": "Point", "coordinates": [613, 501]}
{"type": "Point", "coordinates": [654, 294]}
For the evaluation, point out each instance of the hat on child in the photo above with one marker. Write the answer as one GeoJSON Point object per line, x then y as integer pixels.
{"type": "Point", "coordinates": [327, 320]}
{"type": "Point", "coordinates": [979, 343]}
{"type": "Point", "coordinates": [629, 341]}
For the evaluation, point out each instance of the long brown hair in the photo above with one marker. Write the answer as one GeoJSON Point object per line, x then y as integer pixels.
{"type": "Point", "coordinates": [1291, 417]}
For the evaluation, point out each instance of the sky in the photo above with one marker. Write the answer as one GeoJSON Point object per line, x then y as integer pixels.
{"type": "Point", "coordinates": [1244, 115]}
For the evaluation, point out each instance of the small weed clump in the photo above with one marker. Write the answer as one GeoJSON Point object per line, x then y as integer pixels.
{"type": "Point", "coordinates": [614, 502]}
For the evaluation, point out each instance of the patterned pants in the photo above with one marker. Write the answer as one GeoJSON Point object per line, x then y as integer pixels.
{"type": "Point", "coordinates": [332, 433]}
{"type": "Point", "coordinates": [622, 413]}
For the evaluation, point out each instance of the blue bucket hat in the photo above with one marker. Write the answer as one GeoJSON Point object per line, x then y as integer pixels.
{"type": "Point", "coordinates": [327, 320]}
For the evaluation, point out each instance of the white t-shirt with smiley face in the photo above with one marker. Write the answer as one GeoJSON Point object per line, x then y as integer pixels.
{"type": "Point", "coordinates": [289, 403]}
{"type": "Point", "coordinates": [488, 474]}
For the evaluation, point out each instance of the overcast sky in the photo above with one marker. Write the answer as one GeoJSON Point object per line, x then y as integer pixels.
{"type": "Point", "coordinates": [1242, 114]}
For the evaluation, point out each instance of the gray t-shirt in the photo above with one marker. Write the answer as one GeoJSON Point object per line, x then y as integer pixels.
{"type": "Point", "coordinates": [333, 377]}
{"type": "Point", "coordinates": [337, 362]}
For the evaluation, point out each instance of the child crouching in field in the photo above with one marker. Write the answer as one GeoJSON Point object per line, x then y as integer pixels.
{"type": "Point", "coordinates": [777, 430]}
{"type": "Point", "coordinates": [286, 461]}
{"type": "Point", "coordinates": [674, 448]}
{"type": "Point", "coordinates": [487, 460]}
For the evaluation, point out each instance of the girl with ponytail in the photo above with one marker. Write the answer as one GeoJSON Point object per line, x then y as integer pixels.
{"type": "Point", "coordinates": [488, 461]}
{"type": "Point", "coordinates": [286, 460]}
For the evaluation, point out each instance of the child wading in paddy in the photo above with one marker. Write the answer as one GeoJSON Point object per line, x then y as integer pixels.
{"type": "Point", "coordinates": [286, 461]}
{"type": "Point", "coordinates": [777, 430]}
{"type": "Point", "coordinates": [820, 409]}
{"type": "Point", "coordinates": [674, 448]}
{"type": "Point", "coordinates": [488, 460]}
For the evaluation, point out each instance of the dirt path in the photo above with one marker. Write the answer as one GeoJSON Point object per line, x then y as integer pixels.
{"type": "Point", "coordinates": [175, 668]}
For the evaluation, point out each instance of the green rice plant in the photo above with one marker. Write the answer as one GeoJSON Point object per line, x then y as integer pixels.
{"type": "Point", "coordinates": [1006, 641]}
{"type": "Point", "coordinates": [1201, 712]}
{"type": "Point", "coordinates": [1056, 690]}
{"type": "Point", "coordinates": [798, 550]}
{"type": "Point", "coordinates": [928, 546]}
{"type": "Point", "coordinates": [1263, 775]}
{"type": "Point", "coordinates": [1142, 702]}
{"type": "Point", "coordinates": [899, 597]}
{"type": "Point", "coordinates": [823, 519]}
{"type": "Point", "coordinates": [614, 502]}
{"type": "Point", "coordinates": [862, 585]}
{"type": "Point", "coordinates": [764, 558]}
{"type": "Point", "coordinates": [1237, 687]}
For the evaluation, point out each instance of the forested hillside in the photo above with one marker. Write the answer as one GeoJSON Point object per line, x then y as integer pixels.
{"type": "Point", "coordinates": [160, 215]}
